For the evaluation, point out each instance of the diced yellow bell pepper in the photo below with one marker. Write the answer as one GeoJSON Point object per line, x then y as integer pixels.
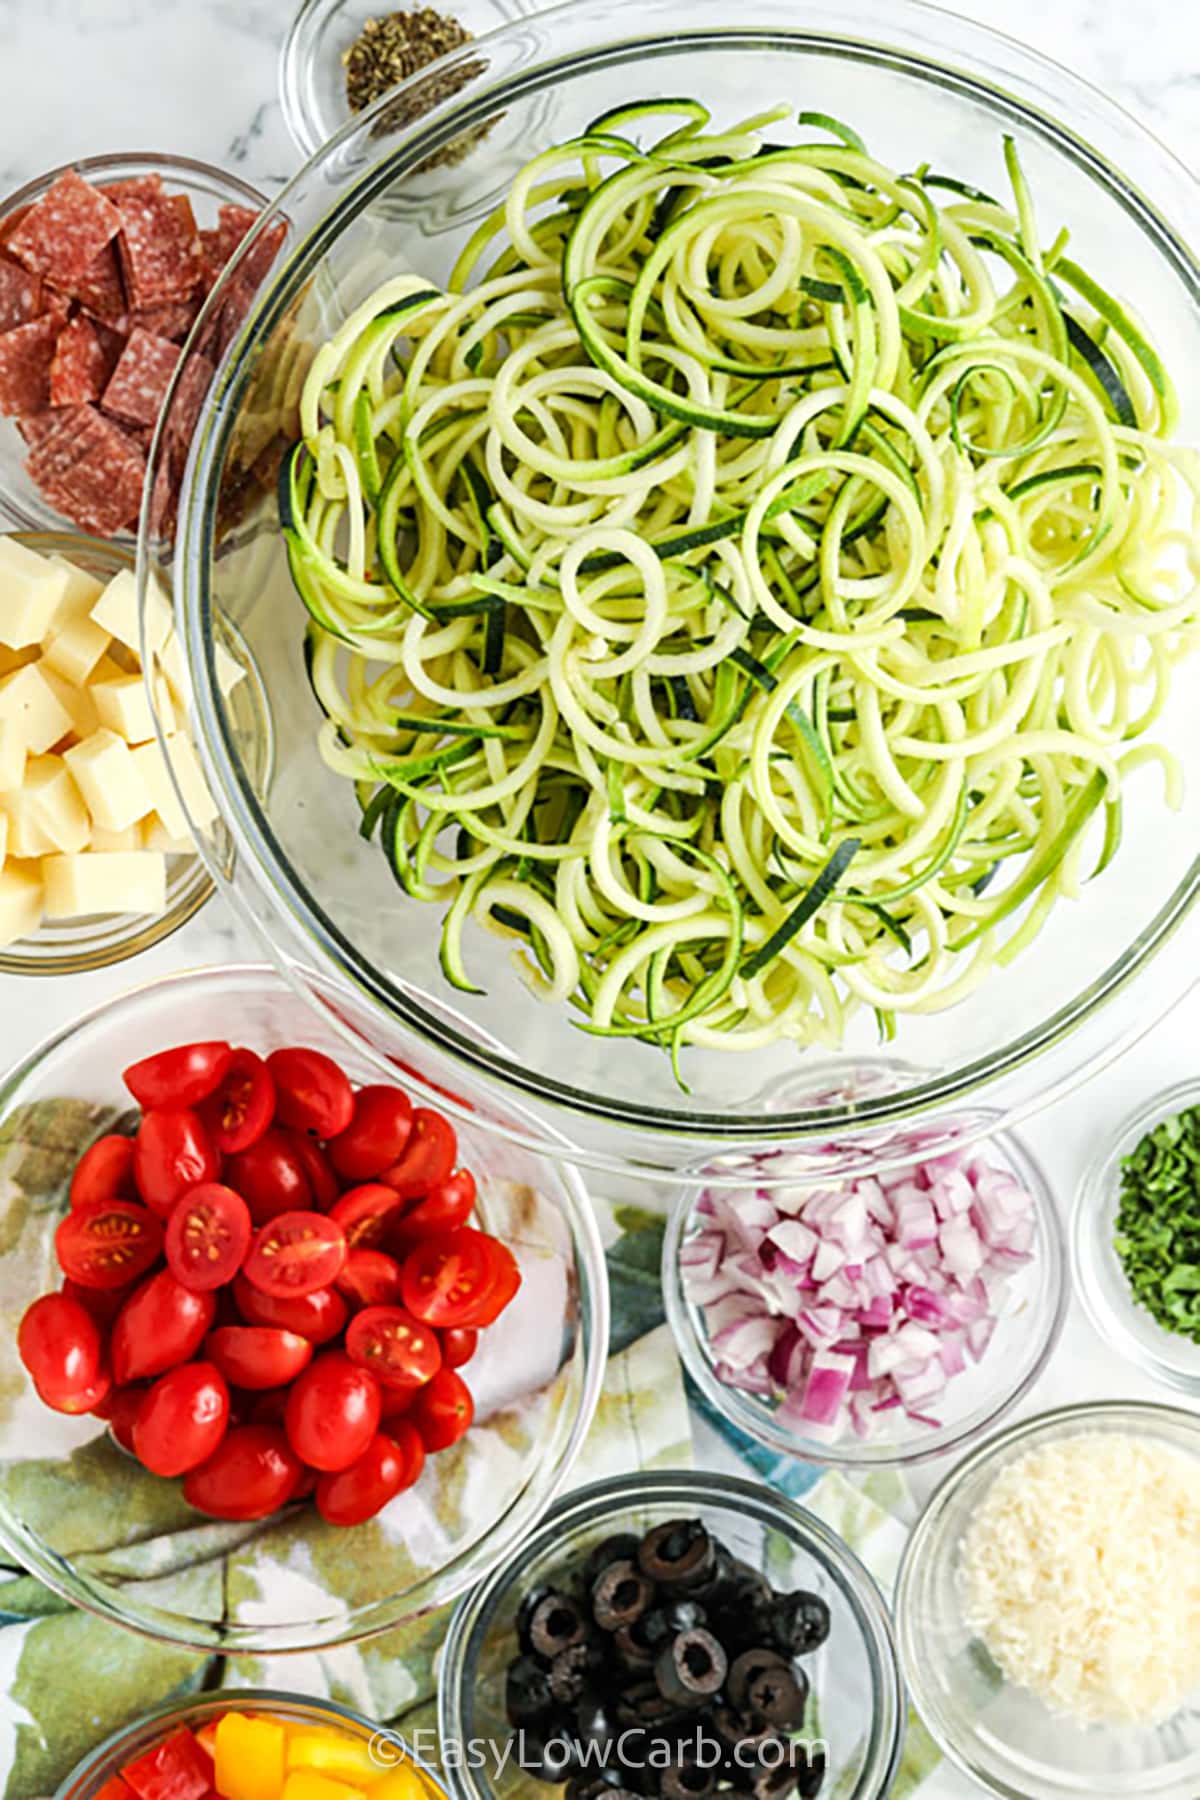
{"type": "Point", "coordinates": [403, 1783]}
{"type": "Point", "coordinates": [333, 1752]}
{"type": "Point", "coordinates": [249, 1758]}
{"type": "Point", "coordinates": [307, 1784]}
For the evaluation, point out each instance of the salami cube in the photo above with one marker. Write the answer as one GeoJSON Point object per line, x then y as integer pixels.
{"type": "Point", "coordinates": [67, 436]}
{"type": "Point", "coordinates": [65, 230]}
{"type": "Point", "coordinates": [141, 378]}
{"type": "Point", "coordinates": [20, 295]}
{"type": "Point", "coordinates": [172, 320]}
{"type": "Point", "coordinates": [104, 488]}
{"type": "Point", "coordinates": [158, 245]}
{"type": "Point", "coordinates": [26, 353]}
{"type": "Point", "coordinates": [81, 364]}
{"type": "Point", "coordinates": [99, 288]}
{"type": "Point", "coordinates": [186, 407]}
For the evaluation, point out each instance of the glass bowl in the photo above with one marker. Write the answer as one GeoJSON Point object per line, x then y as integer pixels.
{"type": "Point", "coordinates": [1099, 1277]}
{"type": "Point", "coordinates": [288, 852]}
{"type": "Point", "coordinates": [71, 946]}
{"type": "Point", "coordinates": [87, 1779]}
{"type": "Point", "coordinates": [1029, 1322]}
{"type": "Point", "coordinates": [207, 188]}
{"type": "Point", "coordinates": [293, 1582]}
{"type": "Point", "coordinates": [997, 1733]}
{"type": "Point", "coordinates": [854, 1675]}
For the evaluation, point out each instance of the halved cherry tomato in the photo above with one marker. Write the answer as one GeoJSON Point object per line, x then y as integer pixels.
{"type": "Point", "coordinates": [448, 1279]}
{"type": "Point", "coordinates": [295, 1254]}
{"type": "Point", "coordinates": [442, 1410]}
{"type": "Point", "coordinates": [103, 1303]}
{"type": "Point", "coordinates": [258, 1356]}
{"type": "Point", "coordinates": [252, 1473]}
{"type": "Point", "coordinates": [364, 1213]}
{"type": "Point", "coordinates": [104, 1172]}
{"type": "Point", "coordinates": [182, 1419]}
{"type": "Point", "coordinates": [444, 1208]}
{"type": "Point", "coordinates": [311, 1092]}
{"type": "Point", "coordinates": [324, 1183]}
{"type": "Point", "coordinates": [459, 1344]}
{"type": "Point", "coordinates": [369, 1278]}
{"type": "Point", "coordinates": [427, 1157]}
{"type": "Point", "coordinates": [271, 1177]}
{"type": "Point", "coordinates": [60, 1344]}
{"type": "Point", "coordinates": [107, 1244]}
{"type": "Point", "coordinates": [162, 1324]}
{"type": "Point", "coordinates": [395, 1347]}
{"type": "Point", "coordinates": [240, 1109]}
{"type": "Point", "coordinates": [332, 1412]}
{"type": "Point", "coordinates": [173, 1770]}
{"type": "Point", "coordinates": [208, 1235]}
{"type": "Point", "coordinates": [172, 1153]}
{"type": "Point", "coordinates": [318, 1316]}
{"type": "Point", "coordinates": [121, 1408]}
{"type": "Point", "coordinates": [506, 1280]}
{"type": "Point", "coordinates": [180, 1077]}
{"type": "Point", "coordinates": [352, 1495]}
{"type": "Point", "coordinates": [375, 1136]}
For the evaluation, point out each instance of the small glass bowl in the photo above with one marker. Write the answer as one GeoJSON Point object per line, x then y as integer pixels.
{"type": "Point", "coordinates": [536, 1375]}
{"type": "Point", "coordinates": [998, 1733]}
{"type": "Point", "coordinates": [73, 946]}
{"type": "Point", "coordinates": [88, 1777]}
{"type": "Point", "coordinates": [1027, 1330]}
{"type": "Point", "coordinates": [1099, 1277]}
{"type": "Point", "coordinates": [854, 1676]}
{"type": "Point", "coordinates": [207, 188]}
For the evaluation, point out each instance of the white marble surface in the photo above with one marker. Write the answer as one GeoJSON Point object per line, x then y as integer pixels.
{"type": "Point", "coordinates": [199, 76]}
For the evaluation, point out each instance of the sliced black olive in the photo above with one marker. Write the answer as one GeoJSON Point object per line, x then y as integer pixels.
{"type": "Point", "coordinates": [810, 1774]}
{"type": "Point", "coordinates": [527, 1695]}
{"type": "Point", "coordinates": [595, 1717]}
{"type": "Point", "coordinates": [746, 1666]}
{"type": "Point", "coordinates": [641, 1703]}
{"type": "Point", "coordinates": [691, 1668]}
{"type": "Point", "coordinates": [687, 1781]}
{"type": "Point", "coordinates": [555, 1624]}
{"type": "Point", "coordinates": [763, 1681]}
{"type": "Point", "coordinates": [798, 1623]}
{"type": "Point", "coordinates": [679, 1554]}
{"type": "Point", "coordinates": [621, 1547]}
{"type": "Point", "coordinates": [633, 1652]}
{"type": "Point", "coordinates": [546, 1755]}
{"type": "Point", "coordinates": [572, 1670]}
{"type": "Point", "coordinates": [527, 1608]}
{"type": "Point", "coordinates": [745, 1732]}
{"type": "Point", "coordinates": [620, 1594]}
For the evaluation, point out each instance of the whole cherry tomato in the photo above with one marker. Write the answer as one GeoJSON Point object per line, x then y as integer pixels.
{"type": "Point", "coordinates": [442, 1410]}
{"type": "Point", "coordinates": [107, 1244]}
{"type": "Point", "coordinates": [365, 1213]}
{"type": "Point", "coordinates": [311, 1092]}
{"type": "Point", "coordinates": [104, 1172]}
{"type": "Point", "coordinates": [242, 1106]}
{"type": "Point", "coordinates": [324, 1183]}
{"type": "Point", "coordinates": [375, 1136]}
{"type": "Point", "coordinates": [180, 1077]}
{"type": "Point", "coordinates": [182, 1419]}
{"type": "Point", "coordinates": [251, 1474]}
{"type": "Point", "coordinates": [394, 1346]}
{"type": "Point", "coordinates": [426, 1159]}
{"type": "Point", "coordinates": [318, 1316]}
{"type": "Point", "coordinates": [103, 1303]}
{"type": "Point", "coordinates": [172, 1153]}
{"type": "Point", "coordinates": [459, 1343]}
{"type": "Point", "coordinates": [360, 1491]}
{"type": "Point", "coordinates": [121, 1410]}
{"type": "Point", "coordinates": [444, 1208]}
{"type": "Point", "coordinates": [60, 1344]}
{"type": "Point", "coordinates": [332, 1412]}
{"type": "Point", "coordinates": [295, 1253]}
{"type": "Point", "coordinates": [258, 1356]}
{"type": "Point", "coordinates": [271, 1176]}
{"type": "Point", "coordinates": [208, 1234]}
{"type": "Point", "coordinates": [161, 1324]}
{"type": "Point", "coordinates": [369, 1278]}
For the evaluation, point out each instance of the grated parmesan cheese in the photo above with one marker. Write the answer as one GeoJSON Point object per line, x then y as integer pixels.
{"type": "Point", "coordinates": [1081, 1574]}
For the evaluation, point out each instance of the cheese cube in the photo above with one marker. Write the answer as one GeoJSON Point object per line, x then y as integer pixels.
{"type": "Point", "coordinates": [74, 648]}
{"type": "Point", "coordinates": [31, 588]}
{"type": "Point", "coordinates": [174, 667]}
{"type": "Point", "coordinates": [185, 765]}
{"type": "Point", "coordinates": [109, 780]}
{"type": "Point", "coordinates": [4, 839]}
{"type": "Point", "coordinates": [116, 612]}
{"type": "Point", "coordinates": [129, 839]}
{"type": "Point", "coordinates": [229, 671]}
{"type": "Point", "coordinates": [148, 759]}
{"type": "Point", "coordinates": [16, 659]}
{"type": "Point", "coordinates": [27, 836]}
{"type": "Point", "coordinates": [155, 836]}
{"type": "Point", "coordinates": [124, 706]}
{"type": "Point", "coordinates": [55, 803]}
{"type": "Point", "coordinates": [12, 756]}
{"type": "Point", "coordinates": [20, 902]}
{"type": "Point", "coordinates": [29, 701]}
{"type": "Point", "coordinates": [104, 883]}
{"type": "Point", "coordinates": [76, 702]}
{"type": "Point", "coordinates": [82, 591]}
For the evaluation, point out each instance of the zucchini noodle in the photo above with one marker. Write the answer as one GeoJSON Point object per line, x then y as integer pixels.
{"type": "Point", "coordinates": [743, 585]}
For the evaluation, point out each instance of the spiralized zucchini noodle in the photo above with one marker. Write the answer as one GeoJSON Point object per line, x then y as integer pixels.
{"type": "Point", "coordinates": [746, 583]}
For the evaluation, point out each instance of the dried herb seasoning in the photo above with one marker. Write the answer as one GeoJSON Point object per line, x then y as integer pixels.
{"type": "Point", "coordinates": [1157, 1233]}
{"type": "Point", "coordinates": [396, 46]}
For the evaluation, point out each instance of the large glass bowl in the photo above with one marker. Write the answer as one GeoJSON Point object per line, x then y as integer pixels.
{"type": "Point", "coordinates": [859, 1695]}
{"type": "Point", "coordinates": [94, 1526]}
{"type": "Point", "coordinates": [926, 86]}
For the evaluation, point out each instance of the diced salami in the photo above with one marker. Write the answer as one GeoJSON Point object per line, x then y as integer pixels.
{"type": "Point", "coordinates": [81, 364]}
{"type": "Point", "coordinates": [72, 433]}
{"type": "Point", "coordinates": [104, 487]}
{"type": "Point", "coordinates": [20, 295]}
{"type": "Point", "coordinates": [158, 246]}
{"type": "Point", "coordinates": [141, 378]}
{"type": "Point", "coordinates": [186, 407]}
{"type": "Point", "coordinates": [65, 230]}
{"type": "Point", "coordinates": [99, 288]}
{"type": "Point", "coordinates": [25, 356]}
{"type": "Point", "coordinates": [173, 320]}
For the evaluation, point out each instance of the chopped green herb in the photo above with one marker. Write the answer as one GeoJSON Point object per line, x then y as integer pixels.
{"type": "Point", "coordinates": [1158, 1223]}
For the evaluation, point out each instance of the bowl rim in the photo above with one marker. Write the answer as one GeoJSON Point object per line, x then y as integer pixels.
{"type": "Point", "coordinates": [116, 936]}
{"type": "Point", "coordinates": [468, 1565]}
{"type": "Point", "coordinates": [1016, 81]}
{"type": "Point", "coordinates": [1049, 1317]}
{"type": "Point", "coordinates": [1088, 1247]}
{"type": "Point", "coordinates": [923, 1542]}
{"type": "Point", "coordinates": [616, 1494]}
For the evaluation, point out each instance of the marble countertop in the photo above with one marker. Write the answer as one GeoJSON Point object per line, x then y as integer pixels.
{"type": "Point", "coordinates": [78, 77]}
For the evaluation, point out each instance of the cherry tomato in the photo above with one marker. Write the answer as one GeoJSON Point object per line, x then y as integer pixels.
{"type": "Point", "coordinates": [79, 1400]}
{"type": "Point", "coordinates": [60, 1344]}
{"type": "Point", "coordinates": [324, 1183]}
{"type": "Point", "coordinates": [332, 1412]}
{"type": "Point", "coordinates": [459, 1343]}
{"type": "Point", "coordinates": [172, 1153]}
{"type": "Point", "coordinates": [268, 1407]}
{"type": "Point", "coordinates": [375, 1136]}
{"type": "Point", "coordinates": [180, 1077]}
{"type": "Point", "coordinates": [104, 1172]}
{"type": "Point", "coordinates": [318, 1316]}
{"type": "Point", "coordinates": [393, 1345]}
{"type": "Point", "coordinates": [393, 1403]}
{"type": "Point", "coordinates": [161, 1324]}
{"type": "Point", "coordinates": [182, 1419]}
{"type": "Point", "coordinates": [295, 1254]}
{"type": "Point", "coordinates": [252, 1473]}
{"type": "Point", "coordinates": [364, 1213]}
{"type": "Point", "coordinates": [242, 1106]}
{"type": "Point", "coordinates": [506, 1280]}
{"type": "Point", "coordinates": [121, 1409]}
{"type": "Point", "coordinates": [448, 1279]}
{"type": "Point", "coordinates": [258, 1356]}
{"type": "Point", "coordinates": [311, 1092]}
{"type": "Point", "coordinates": [208, 1235]}
{"type": "Point", "coordinates": [103, 1303]}
{"type": "Point", "coordinates": [444, 1208]}
{"type": "Point", "coordinates": [359, 1492]}
{"type": "Point", "coordinates": [271, 1177]}
{"type": "Point", "coordinates": [370, 1278]}
{"type": "Point", "coordinates": [427, 1158]}
{"type": "Point", "coordinates": [107, 1244]}
{"type": "Point", "coordinates": [442, 1410]}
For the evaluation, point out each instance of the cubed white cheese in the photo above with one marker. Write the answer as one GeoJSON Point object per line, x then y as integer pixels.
{"type": "Point", "coordinates": [109, 780]}
{"type": "Point", "coordinates": [29, 700]}
{"type": "Point", "coordinates": [129, 839]}
{"type": "Point", "coordinates": [155, 836]}
{"type": "Point", "coordinates": [74, 647]}
{"type": "Point", "coordinates": [31, 588]}
{"type": "Point", "coordinates": [27, 836]}
{"type": "Point", "coordinates": [148, 759]}
{"type": "Point", "coordinates": [16, 659]}
{"type": "Point", "coordinates": [124, 706]}
{"type": "Point", "coordinates": [76, 702]}
{"type": "Point", "coordinates": [55, 803]}
{"type": "Point", "coordinates": [174, 667]}
{"type": "Point", "coordinates": [12, 757]}
{"type": "Point", "coordinates": [185, 765]}
{"type": "Point", "coordinates": [82, 591]}
{"type": "Point", "coordinates": [134, 882]}
{"type": "Point", "coordinates": [229, 671]}
{"type": "Point", "coordinates": [116, 612]}
{"type": "Point", "coordinates": [4, 840]}
{"type": "Point", "coordinates": [20, 902]}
